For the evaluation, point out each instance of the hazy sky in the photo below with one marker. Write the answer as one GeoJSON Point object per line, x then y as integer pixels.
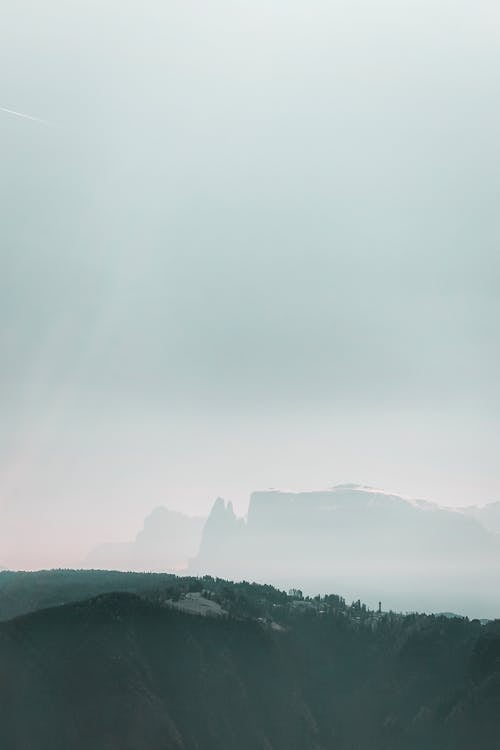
{"type": "Point", "coordinates": [253, 244]}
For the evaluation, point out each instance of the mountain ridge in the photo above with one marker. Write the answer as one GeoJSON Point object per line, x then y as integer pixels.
{"type": "Point", "coordinates": [355, 539]}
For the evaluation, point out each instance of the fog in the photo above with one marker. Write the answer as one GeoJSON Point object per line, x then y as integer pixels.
{"type": "Point", "coordinates": [247, 245]}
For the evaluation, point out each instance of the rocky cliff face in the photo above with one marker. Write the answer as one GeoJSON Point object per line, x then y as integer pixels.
{"type": "Point", "coordinates": [222, 534]}
{"type": "Point", "coordinates": [487, 515]}
{"type": "Point", "coordinates": [361, 541]}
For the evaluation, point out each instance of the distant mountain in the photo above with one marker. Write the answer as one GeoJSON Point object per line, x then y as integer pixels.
{"type": "Point", "coordinates": [122, 672]}
{"type": "Point", "coordinates": [361, 542]}
{"type": "Point", "coordinates": [166, 543]}
{"type": "Point", "coordinates": [487, 515]}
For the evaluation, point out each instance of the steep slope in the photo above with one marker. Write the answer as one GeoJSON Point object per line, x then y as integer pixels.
{"type": "Point", "coordinates": [487, 515]}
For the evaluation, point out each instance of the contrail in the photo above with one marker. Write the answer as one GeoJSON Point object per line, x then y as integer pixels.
{"type": "Point", "coordinates": [26, 117]}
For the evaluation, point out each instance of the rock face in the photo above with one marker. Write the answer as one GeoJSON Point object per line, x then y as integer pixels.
{"type": "Point", "coordinates": [359, 541]}
{"type": "Point", "coordinates": [487, 515]}
{"type": "Point", "coordinates": [166, 542]}
{"type": "Point", "coordinates": [222, 531]}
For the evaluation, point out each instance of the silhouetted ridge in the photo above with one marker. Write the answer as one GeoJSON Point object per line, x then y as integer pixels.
{"type": "Point", "coordinates": [165, 543]}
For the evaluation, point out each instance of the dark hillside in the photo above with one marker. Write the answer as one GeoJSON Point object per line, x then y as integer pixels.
{"type": "Point", "coordinates": [122, 672]}
{"type": "Point", "coordinates": [119, 672]}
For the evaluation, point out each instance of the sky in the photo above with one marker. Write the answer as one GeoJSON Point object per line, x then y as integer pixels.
{"type": "Point", "coordinates": [244, 244]}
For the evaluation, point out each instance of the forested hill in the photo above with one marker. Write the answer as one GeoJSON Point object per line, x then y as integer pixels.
{"type": "Point", "coordinates": [268, 671]}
